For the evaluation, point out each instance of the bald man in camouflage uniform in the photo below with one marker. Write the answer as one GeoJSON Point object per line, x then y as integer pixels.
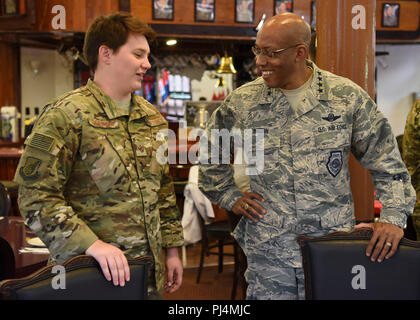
{"type": "Point", "coordinates": [411, 156]}
{"type": "Point", "coordinates": [89, 178]}
{"type": "Point", "coordinates": [311, 120]}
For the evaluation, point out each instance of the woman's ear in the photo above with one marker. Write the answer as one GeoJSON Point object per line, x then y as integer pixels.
{"type": "Point", "coordinates": [104, 54]}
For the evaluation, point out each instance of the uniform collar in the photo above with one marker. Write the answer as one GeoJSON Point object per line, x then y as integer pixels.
{"type": "Point", "coordinates": [318, 91]}
{"type": "Point", "coordinates": [318, 87]}
{"type": "Point", "coordinates": [139, 107]}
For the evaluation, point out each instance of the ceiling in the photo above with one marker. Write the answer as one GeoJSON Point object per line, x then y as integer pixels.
{"type": "Point", "coordinates": [64, 40]}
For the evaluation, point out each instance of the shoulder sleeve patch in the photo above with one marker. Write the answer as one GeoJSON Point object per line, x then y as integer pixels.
{"type": "Point", "coordinates": [30, 169]}
{"type": "Point", "coordinates": [44, 143]}
{"type": "Point", "coordinates": [41, 142]}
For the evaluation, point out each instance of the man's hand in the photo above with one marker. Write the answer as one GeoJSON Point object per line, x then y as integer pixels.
{"type": "Point", "coordinates": [174, 270]}
{"type": "Point", "coordinates": [112, 261]}
{"type": "Point", "coordinates": [384, 241]}
{"type": "Point", "coordinates": [249, 208]}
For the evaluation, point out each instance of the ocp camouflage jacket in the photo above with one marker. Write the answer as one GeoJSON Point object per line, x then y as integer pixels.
{"type": "Point", "coordinates": [89, 171]}
{"type": "Point", "coordinates": [411, 149]}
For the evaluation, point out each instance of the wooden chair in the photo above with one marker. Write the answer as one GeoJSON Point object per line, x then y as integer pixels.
{"type": "Point", "coordinates": [336, 268]}
{"type": "Point", "coordinates": [240, 261]}
{"type": "Point", "coordinates": [219, 231]}
{"type": "Point", "coordinates": [7, 260]}
{"type": "Point", "coordinates": [83, 281]}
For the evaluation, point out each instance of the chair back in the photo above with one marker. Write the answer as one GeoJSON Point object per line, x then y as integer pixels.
{"type": "Point", "coordinates": [7, 260]}
{"type": "Point", "coordinates": [336, 268]}
{"type": "Point", "coordinates": [83, 280]}
{"type": "Point", "coordinates": [5, 202]}
{"type": "Point", "coordinates": [233, 220]}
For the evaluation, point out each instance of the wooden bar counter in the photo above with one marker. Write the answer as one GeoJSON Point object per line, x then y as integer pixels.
{"type": "Point", "coordinates": [9, 159]}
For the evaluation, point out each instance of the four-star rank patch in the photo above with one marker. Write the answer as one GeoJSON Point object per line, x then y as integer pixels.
{"type": "Point", "coordinates": [30, 170]}
{"type": "Point", "coordinates": [335, 163]}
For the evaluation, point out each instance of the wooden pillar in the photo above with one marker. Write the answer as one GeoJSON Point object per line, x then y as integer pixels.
{"type": "Point", "coordinates": [346, 47]}
{"type": "Point", "coordinates": [10, 75]}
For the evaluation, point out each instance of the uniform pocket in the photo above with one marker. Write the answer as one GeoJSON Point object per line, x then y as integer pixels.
{"type": "Point", "coordinates": [103, 164]}
{"type": "Point", "coordinates": [332, 136]}
{"type": "Point", "coordinates": [149, 158]}
{"type": "Point", "coordinates": [332, 144]}
{"type": "Point", "coordinates": [102, 154]}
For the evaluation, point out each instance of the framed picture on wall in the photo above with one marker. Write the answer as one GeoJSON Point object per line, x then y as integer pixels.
{"type": "Point", "coordinates": [163, 9]}
{"type": "Point", "coordinates": [390, 15]}
{"type": "Point", "coordinates": [244, 11]}
{"type": "Point", "coordinates": [281, 6]}
{"type": "Point", "coordinates": [204, 10]}
{"type": "Point", "coordinates": [10, 7]}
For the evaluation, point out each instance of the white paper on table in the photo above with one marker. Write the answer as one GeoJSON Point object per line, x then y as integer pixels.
{"type": "Point", "coordinates": [34, 250]}
{"type": "Point", "coordinates": [36, 242]}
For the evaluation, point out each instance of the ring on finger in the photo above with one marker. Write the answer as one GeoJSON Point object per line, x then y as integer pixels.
{"type": "Point", "coordinates": [389, 244]}
{"type": "Point", "coordinates": [246, 206]}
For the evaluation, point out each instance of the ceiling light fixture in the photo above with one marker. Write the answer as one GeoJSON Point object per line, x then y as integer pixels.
{"type": "Point", "coordinates": [171, 42]}
{"type": "Point", "coordinates": [258, 27]}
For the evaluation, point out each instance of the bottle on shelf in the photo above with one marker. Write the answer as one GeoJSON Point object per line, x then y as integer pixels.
{"type": "Point", "coordinates": [10, 125]}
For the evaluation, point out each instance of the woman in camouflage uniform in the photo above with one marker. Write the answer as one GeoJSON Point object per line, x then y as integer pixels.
{"type": "Point", "coordinates": [89, 178]}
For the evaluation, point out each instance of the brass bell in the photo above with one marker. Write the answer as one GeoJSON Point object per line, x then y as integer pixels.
{"type": "Point", "coordinates": [226, 65]}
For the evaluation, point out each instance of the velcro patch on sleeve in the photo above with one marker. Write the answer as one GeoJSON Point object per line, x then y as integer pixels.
{"type": "Point", "coordinates": [30, 169]}
{"type": "Point", "coordinates": [156, 121]}
{"type": "Point", "coordinates": [41, 142]}
{"type": "Point", "coordinates": [113, 124]}
{"type": "Point", "coordinates": [44, 143]}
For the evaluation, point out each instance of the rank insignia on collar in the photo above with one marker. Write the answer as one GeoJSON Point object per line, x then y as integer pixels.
{"type": "Point", "coordinates": [331, 117]}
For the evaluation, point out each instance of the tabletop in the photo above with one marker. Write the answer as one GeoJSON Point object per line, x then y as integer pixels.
{"type": "Point", "coordinates": [16, 233]}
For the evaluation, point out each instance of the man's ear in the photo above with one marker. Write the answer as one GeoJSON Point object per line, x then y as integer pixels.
{"type": "Point", "coordinates": [302, 53]}
{"type": "Point", "coordinates": [104, 54]}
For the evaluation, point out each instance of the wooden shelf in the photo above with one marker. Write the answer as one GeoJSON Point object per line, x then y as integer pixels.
{"type": "Point", "coordinates": [7, 144]}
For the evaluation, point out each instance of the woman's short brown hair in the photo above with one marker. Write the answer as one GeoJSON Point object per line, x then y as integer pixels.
{"type": "Point", "coordinates": [112, 31]}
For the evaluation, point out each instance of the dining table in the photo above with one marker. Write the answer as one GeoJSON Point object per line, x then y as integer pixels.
{"type": "Point", "coordinates": [29, 252]}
